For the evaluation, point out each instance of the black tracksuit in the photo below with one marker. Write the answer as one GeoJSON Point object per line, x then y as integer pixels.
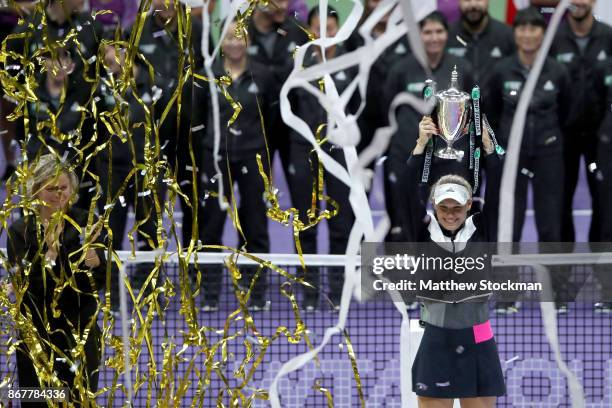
{"type": "Point", "coordinates": [45, 134]}
{"type": "Point", "coordinates": [483, 50]}
{"type": "Point", "coordinates": [117, 160]}
{"type": "Point", "coordinates": [240, 143]}
{"type": "Point", "coordinates": [76, 303]}
{"type": "Point", "coordinates": [581, 133]}
{"type": "Point", "coordinates": [160, 46]}
{"type": "Point", "coordinates": [88, 33]}
{"type": "Point", "coordinates": [541, 157]}
{"type": "Point", "coordinates": [50, 122]}
{"type": "Point", "coordinates": [407, 75]}
{"type": "Point", "coordinates": [303, 177]}
{"type": "Point", "coordinates": [286, 37]}
{"type": "Point", "coordinates": [602, 84]}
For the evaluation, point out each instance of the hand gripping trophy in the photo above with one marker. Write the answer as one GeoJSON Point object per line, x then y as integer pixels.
{"type": "Point", "coordinates": [457, 114]}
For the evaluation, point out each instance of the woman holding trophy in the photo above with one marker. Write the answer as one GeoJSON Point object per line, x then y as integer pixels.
{"type": "Point", "coordinates": [457, 357]}
{"type": "Point", "coordinates": [407, 75]}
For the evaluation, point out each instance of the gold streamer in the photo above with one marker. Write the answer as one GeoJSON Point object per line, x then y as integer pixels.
{"type": "Point", "coordinates": [162, 381]}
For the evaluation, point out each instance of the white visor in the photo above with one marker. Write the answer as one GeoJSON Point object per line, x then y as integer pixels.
{"type": "Point", "coordinates": [453, 191]}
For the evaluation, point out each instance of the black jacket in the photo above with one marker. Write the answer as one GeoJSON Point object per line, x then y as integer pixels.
{"type": "Point", "coordinates": [288, 36]}
{"type": "Point", "coordinates": [88, 34]}
{"type": "Point", "coordinates": [161, 48]}
{"type": "Point", "coordinates": [49, 119]}
{"type": "Point", "coordinates": [76, 301]}
{"type": "Point", "coordinates": [408, 75]}
{"type": "Point", "coordinates": [374, 111]}
{"type": "Point", "coordinates": [474, 230]}
{"type": "Point", "coordinates": [580, 67]}
{"type": "Point", "coordinates": [307, 106]}
{"type": "Point", "coordinates": [550, 110]}
{"type": "Point", "coordinates": [117, 108]}
{"type": "Point", "coordinates": [253, 90]}
{"type": "Point", "coordinates": [483, 50]}
{"type": "Point", "coordinates": [601, 83]}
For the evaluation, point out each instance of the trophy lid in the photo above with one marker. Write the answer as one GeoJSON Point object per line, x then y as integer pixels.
{"type": "Point", "coordinates": [454, 79]}
{"type": "Point", "coordinates": [453, 93]}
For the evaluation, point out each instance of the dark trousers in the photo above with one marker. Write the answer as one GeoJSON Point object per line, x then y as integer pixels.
{"type": "Point", "coordinates": [279, 142]}
{"type": "Point", "coordinates": [367, 126]}
{"type": "Point", "coordinates": [251, 212]}
{"type": "Point", "coordinates": [180, 141]}
{"type": "Point", "coordinates": [112, 179]}
{"type": "Point", "coordinates": [303, 178]}
{"type": "Point", "coordinates": [184, 177]}
{"type": "Point", "coordinates": [604, 163]}
{"type": "Point", "coordinates": [545, 172]}
{"type": "Point", "coordinates": [63, 340]}
{"type": "Point", "coordinates": [396, 204]}
{"type": "Point", "coordinates": [578, 144]}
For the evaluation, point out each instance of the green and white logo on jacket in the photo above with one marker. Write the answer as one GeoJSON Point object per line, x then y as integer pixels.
{"type": "Point", "coordinates": [512, 85]}
{"type": "Point", "coordinates": [415, 87]}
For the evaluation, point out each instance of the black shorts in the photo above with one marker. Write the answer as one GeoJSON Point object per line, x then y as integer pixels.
{"type": "Point", "coordinates": [450, 364]}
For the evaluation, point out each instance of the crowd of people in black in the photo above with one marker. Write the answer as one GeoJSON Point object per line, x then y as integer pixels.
{"type": "Point", "coordinates": [95, 113]}
{"type": "Point", "coordinates": [80, 64]}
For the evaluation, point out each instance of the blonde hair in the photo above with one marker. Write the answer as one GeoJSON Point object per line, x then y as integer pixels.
{"type": "Point", "coordinates": [450, 179]}
{"type": "Point", "coordinates": [47, 168]}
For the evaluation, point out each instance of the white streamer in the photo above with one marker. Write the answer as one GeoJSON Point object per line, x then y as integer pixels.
{"type": "Point", "coordinates": [335, 105]}
{"type": "Point", "coordinates": [549, 320]}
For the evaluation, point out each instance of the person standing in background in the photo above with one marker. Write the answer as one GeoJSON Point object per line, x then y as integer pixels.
{"type": "Point", "coordinates": [274, 36]}
{"type": "Point", "coordinates": [541, 161]}
{"type": "Point", "coordinates": [58, 124]}
{"type": "Point", "coordinates": [161, 46]}
{"type": "Point", "coordinates": [373, 116]}
{"type": "Point", "coordinates": [580, 44]}
{"type": "Point", "coordinates": [61, 17]}
{"type": "Point", "coordinates": [480, 39]}
{"type": "Point", "coordinates": [253, 87]}
{"type": "Point", "coordinates": [304, 165]}
{"type": "Point", "coordinates": [602, 86]}
{"type": "Point", "coordinates": [117, 160]}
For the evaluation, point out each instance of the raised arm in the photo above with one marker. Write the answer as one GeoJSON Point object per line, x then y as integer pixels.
{"type": "Point", "coordinates": [417, 208]}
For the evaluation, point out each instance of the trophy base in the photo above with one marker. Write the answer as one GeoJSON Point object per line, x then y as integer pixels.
{"type": "Point", "coordinates": [449, 153]}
